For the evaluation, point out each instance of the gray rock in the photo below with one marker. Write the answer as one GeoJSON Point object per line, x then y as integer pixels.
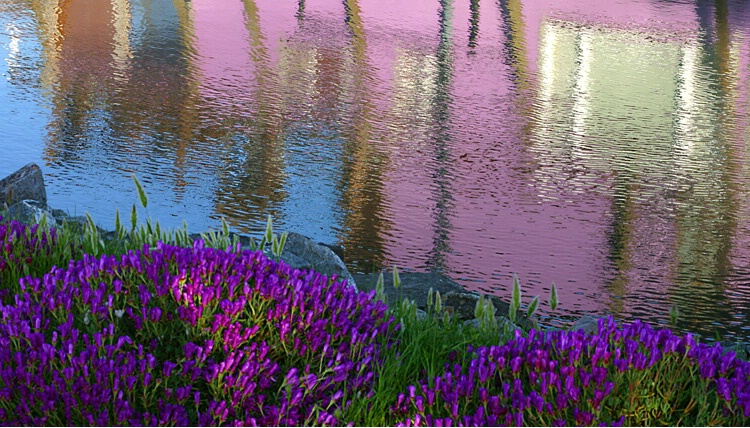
{"type": "Point", "coordinates": [462, 304]}
{"type": "Point", "coordinates": [587, 323]}
{"type": "Point", "coordinates": [414, 286]}
{"type": "Point", "coordinates": [30, 212]}
{"type": "Point", "coordinates": [26, 183]}
{"type": "Point", "coordinates": [300, 252]}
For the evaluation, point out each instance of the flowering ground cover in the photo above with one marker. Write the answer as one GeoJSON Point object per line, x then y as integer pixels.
{"type": "Point", "coordinates": [193, 335]}
{"type": "Point", "coordinates": [180, 336]}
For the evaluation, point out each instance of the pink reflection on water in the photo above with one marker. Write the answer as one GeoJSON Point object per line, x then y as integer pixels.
{"type": "Point", "coordinates": [223, 52]}
{"type": "Point", "coordinates": [456, 123]}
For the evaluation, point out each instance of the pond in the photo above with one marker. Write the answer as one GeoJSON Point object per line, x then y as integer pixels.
{"type": "Point", "coordinates": [602, 146]}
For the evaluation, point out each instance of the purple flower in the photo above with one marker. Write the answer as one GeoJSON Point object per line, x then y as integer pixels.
{"type": "Point", "coordinates": [707, 369]}
{"type": "Point", "coordinates": [515, 364]}
{"type": "Point", "coordinates": [725, 362]}
{"type": "Point", "coordinates": [722, 388]}
{"type": "Point", "coordinates": [571, 389]}
{"type": "Point", "coordinates": [582, 417]}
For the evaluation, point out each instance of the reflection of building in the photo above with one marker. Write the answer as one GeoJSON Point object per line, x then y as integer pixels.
{"type": "Point", "coordinates": [639, 109]}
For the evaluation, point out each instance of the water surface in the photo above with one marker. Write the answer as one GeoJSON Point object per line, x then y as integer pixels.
{"type": "Point", "coordinates": [599, 145]}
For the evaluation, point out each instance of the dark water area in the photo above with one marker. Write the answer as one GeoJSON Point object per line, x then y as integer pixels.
{"type": "Point", "coordinates": [602, 146]}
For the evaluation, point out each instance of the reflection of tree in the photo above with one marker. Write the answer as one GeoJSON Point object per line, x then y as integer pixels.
{"type": "Point", "coordinates": [50, 19]}
{"type": "Point", "coordinates": [300, 10]}
{"type": "Point", "coordinates": [511, 13]}
{"type": "Point", "coordinates": [252, 171]}
{"type": "Point", "coordinates": [153, 112]}
{"type": "Point", "coordinates": [620, 239]}
{"type": "Point", "coordinates": [361, 180]}
{"type": "Point", "coordinates": [667, 163]}
{"type": "Point", "coordinates": [76, 45]}
{"type": "Point", "coordinates": [515, 58]}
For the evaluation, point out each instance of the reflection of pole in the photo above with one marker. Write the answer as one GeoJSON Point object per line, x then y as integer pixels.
{"type": "Point", "coordinates": [300, 10]}
{"type": "Point", "coordinates": [473, 24]}
{"type": "Point", "coordinates": [723, 47]}
{"type": "Point", "coordinates": [354, 21]}
{"type": "Point", "coordinates": [441, 113]}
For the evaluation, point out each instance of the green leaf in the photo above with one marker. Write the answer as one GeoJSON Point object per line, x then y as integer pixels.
{"type": "Point", "coordinates": [118, 224]}
{"type": "Point", "coordinates": [553, 297]}
{"type": "Point", "coordinates": [141, 192]}
{"type": "Point", "coordinates": [90, 223]}
{"type": "Point", "coordinates": [224, 226]}
{"type": "Point", "coordinates": [479, 308]}
{"type": "Point", "coordinates": [516, 292]}
{"type": "Point", "coordinates": [380, 288]}
{"type": "Point", "coordinates": [269, 230]}
{"type": "Point", "coordinates": [42, 222]}
{"type": "Point", "coordinates": [532, 306]}
{"type": "Point", "coordinates": [282, 242]}
{"type": "Point", "coordinates": [133, 219]}
{"type": "Point", "coordinates": [396, 278]}
{"type": "Point", "coordinates": [489, 308]}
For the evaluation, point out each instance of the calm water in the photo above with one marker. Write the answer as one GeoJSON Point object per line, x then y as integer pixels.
{"type": "Point", "coordinates": [599, 145]}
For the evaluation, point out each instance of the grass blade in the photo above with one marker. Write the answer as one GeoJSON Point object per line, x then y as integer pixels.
{"type": "Point", "coordinates": [380, 289]}
{"type": "Point", "coordinates": [532, 306]}
{"type": "Point", "coordinates": [141, 192]}
{"type": "Point", "coordinates": [133, 219]}
{"type": "Point", "coordinates": [553, 297]}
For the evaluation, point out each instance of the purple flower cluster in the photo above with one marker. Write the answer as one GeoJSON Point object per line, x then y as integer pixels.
{"type": "Point", "coordinates": [186, 336]}
{"type": "Point", "coordinates": [19, 246]}
{"type": "Point", "coordinates": [560, 378]}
